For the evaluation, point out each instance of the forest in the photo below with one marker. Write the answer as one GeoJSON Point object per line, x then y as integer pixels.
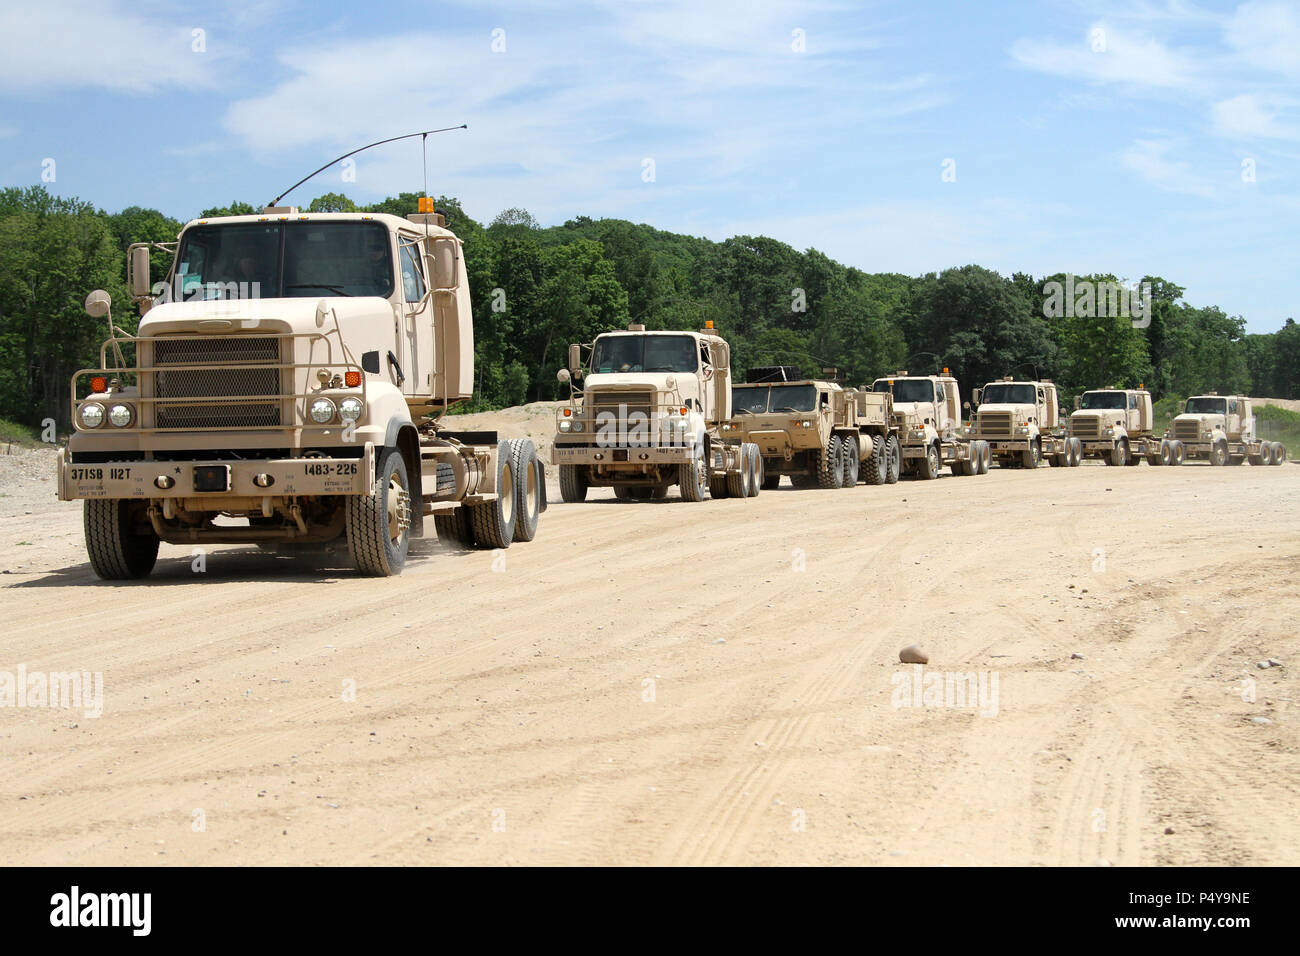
{"type": "Point", "coordinates": [536, 289]}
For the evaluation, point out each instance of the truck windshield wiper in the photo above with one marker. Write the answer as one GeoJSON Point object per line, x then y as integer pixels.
{"type": "Point", "coordinates": [316, 285]}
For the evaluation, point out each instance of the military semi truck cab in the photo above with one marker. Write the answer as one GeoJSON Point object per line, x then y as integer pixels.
{"type": "Point", "coordinates": [287, 386]}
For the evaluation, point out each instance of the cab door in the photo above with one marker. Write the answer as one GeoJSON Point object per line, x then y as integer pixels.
{"type": "Point", "coordinates": [415, 328]}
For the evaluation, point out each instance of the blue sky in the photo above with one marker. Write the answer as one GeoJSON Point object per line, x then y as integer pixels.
{"type": "Point", "coordinates": [1109, 137]}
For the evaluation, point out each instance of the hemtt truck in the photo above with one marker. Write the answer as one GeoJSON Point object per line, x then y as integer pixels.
{"type": "Point", "coordinates": [286, 387]}
{"type": "Point", "coordinates": [1221, 429]}
{"type": "Point", "coordinates": [816, 432]}
{"type": "Point", "coordinates": [650, 416]}
{"type": "Point", "coordinates": [1021, 422]}
{"type": "Point", "coordinates": [1117, 425]}
{"type": "Point", "coordinates": [927, 414]}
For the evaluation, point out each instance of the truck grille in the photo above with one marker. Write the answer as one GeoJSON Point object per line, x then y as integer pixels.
{"type": "Point", "coordinates": [994, 424]}
{"type": "Point", "coordinates": [195, 391]}
{"type": "Point", "coordinates": [1088, 428]}
{"type": "Point", "coordinates": [1187, 431]}
{"type": "Point", "coordinates": [620, 405]}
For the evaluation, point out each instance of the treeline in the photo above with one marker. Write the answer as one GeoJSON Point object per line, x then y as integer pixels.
{"type": "Point", "coordinates": [535, 290]}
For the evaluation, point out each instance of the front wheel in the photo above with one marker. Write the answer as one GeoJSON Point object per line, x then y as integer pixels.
{"type": "Point", "coordinates": [693, 478]}
{"type": "Point", "coordinates": [379, 524]}
{"type": "Point", "coordinates": [120, 541]}
{"type": "Point", "coordinates": [573, 484]}
{"type": "Point", "coordinates": [1219, 454]}
{"type": "Point", "coordinates": [1031, 456]}
{"type": "Point", "coordinates": [929, 465]}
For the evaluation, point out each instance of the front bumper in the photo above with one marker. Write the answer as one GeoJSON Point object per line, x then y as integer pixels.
{"type": "Point", "coordinates": [290, 477]}
{"type": "Point", "coordinates": [622, 454]}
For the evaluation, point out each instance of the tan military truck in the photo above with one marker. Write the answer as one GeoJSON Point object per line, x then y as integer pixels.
{"type": "Point", "coordinates": [1021, 422]}
{"type": "Point", "coordinates": [1221, 430]}
{"type": "Point", "coordinates": [648, 416]}
{"type": "Point", "coordinates": [287, 386]}
{"type": "Point", "coordinates": [927, 414]}
{"type": "Point", "coordinates": [1117, 425]}
{"type": "Point", "coordinates": [818, 433]}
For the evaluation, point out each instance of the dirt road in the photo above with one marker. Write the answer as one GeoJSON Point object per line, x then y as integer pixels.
{"type": "Point", "coordinates": [671, 683]}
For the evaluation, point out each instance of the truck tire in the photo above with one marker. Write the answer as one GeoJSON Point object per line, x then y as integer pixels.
{"type": "Point", "coordinates": [454, 528]}
{"type": "Point", "coordinates": [736, 481]}
{"type": "Point", "coordinates": [622, 493]}
{"type": "Point", "coordinates": [1118, 453]}
{"type": "Point", "coordinates": [528, 488]}
{"type": "Point", "coordinates": [893, 460]}
{"type": "Point", "coordinates": [1076, 452]}
{"type": "Point", "coordinates": [659, 494]}
{"type": "Point", "coordinates": [379, 525]}
{"type": "Point", "coordinates": [117, 552]}
{"type": "Point", "coordinates": [852, 460]}
{"type": "Point", "coordinates": [1133, 457]}
{"type": "Point", "coordinates": [494, 521]}
{"type": "Point", "coordinates": [928, 468]}
{"type": "Point", "coordinates": [771, 481]}
{"type": "Point", "coordinates": [830, 465]}
{"type": "Point", "coordinates": [1030, 457]}
{"type": "Point", "coordinates": [1177, 452]}
{"type": "Point", "coordinates": [755, 470]}
{"type": "Point", "coordinates": [1219, 454]}
{"type": "Point", "coordinates": [1166, 455]}
{"type": "Point", "coordinates": [1279, 453]}
{"type": "Point", "coordinates": [875, 467]}
{"type": "Point", "coordinates": [573, 484]}
{"type": "Point", "coordinates": [693, 478]}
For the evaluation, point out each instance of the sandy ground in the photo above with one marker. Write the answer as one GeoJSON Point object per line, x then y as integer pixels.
{"type": "Point", "coordinates": [652, 683]}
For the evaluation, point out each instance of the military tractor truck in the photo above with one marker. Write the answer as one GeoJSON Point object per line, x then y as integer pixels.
{"type": "Point", "coordinates": [286, 387]}
{"type": "Point", "coordinates": [648, 416]}
{"type": "Point", "coordinates": [817, 432]}
{"type": "Point", "coordinates": [1021, 422]}
{"type": "Point", "coordinates": [1117, 425]}
{"type": "Point", "coordinates": [927, 415]}
{"type": "Point", "coordinates": [1221, 430]}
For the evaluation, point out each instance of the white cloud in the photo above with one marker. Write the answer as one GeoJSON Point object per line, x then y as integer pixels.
{"type": "Point", "coordinates": [1250, 116]}
{"type": "Point", "coordinates": [1125, 57]}
{"type": "Point", "coordinates": [93, 43]}
{"type": "Point", "coordinates": [1266, 35]}
{"type": "Point", "coordinates": [1151, 159]}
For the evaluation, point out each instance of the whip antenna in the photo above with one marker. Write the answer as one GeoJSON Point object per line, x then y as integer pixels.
{"type": "Point", "coordinates": [423, 134]}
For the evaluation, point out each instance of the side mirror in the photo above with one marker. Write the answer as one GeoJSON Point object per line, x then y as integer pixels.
{"type": "Point", "coordinates": [1076, 402]}
{"type": "Point", "coordinates": [140, 284]}
{"type": "Point", "coordinates": [563, 376]}
{"type": "Point", "coordinates": [575, 357]}
{"type": "Point", "coordinates": [975, 394]}
{"type": "Point", "coordinates": [446, 263]}
{"type": "Point", "coordinates": [98, 303]}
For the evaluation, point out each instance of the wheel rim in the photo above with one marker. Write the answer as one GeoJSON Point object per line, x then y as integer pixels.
{"type": "Point", "coordinates": [399, 510]}
{"type": "Point", "coordinates": [933, 455]}
{"type": "Point", "coordinates": [506, 493]}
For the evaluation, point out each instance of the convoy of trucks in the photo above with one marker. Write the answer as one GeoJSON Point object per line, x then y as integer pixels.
{"type": "Point", "coordinates": [289, 382]}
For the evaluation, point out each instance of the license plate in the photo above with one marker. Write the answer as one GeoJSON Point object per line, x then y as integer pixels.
{"type": "Point", "coordinates": [211, 477]}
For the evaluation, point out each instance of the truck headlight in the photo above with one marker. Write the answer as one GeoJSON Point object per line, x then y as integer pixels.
{"type": "Point", "coordinates": [322, 411]}
{"type": "Point", "coordinates": [120, 415]}
{"type": "Point", "coordinates": [1108, 430]}
{"type": "Point", "coordinates": [565, 425]}
{"type": "Point", "coordinates": [92, 414]}
{"type": "Point", "coordinates": [577, 426]}
{"type": "Point", "coordinates": [806, 424]}
{"type": "Point", "coordinates": [680, 424]}
{"type": "Point", "coordinates": [350, 409]}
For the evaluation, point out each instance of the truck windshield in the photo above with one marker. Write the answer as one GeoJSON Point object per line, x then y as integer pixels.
{"type": "Point", "coordinates": [644, 353]}
{"type": "Point", "coordinates": [757, 399]}
{"type": "Point", "coordinates": [906, 389]}
{"type": "Point", "coordinates": [1207, 406]}
{"type": "Point", "coordinates": [1103, 400]}
{"type": "Point", "coordinates": [1005, 394]}
{"type": "Point", "coordinates": [270, 260]}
